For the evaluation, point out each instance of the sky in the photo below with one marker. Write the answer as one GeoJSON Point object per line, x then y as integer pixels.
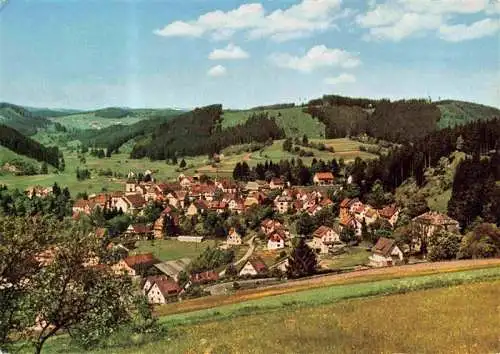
{"type": "Point", "coordinates": [87, 54]}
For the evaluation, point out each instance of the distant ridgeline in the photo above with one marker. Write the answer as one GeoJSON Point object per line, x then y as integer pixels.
{"type": "Point", "coordinates": [398, 121]}
{"type": "Point", "coordinates": [23, 145]}
{"type": "Point", "coordinates": [23, 120]}
{"type": "Point", "coordinates": [199, 132]}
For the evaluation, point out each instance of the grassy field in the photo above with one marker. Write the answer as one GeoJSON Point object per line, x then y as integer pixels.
{"type": "Point", "coordinates": [442, 319]}
{"type": "Point", "coordinates": [8, 156]}
{"type": "Point", "coordinates": [293, 121]}
{"type": "Point", "coordinates": [89, 120]}
{"type": "Point", "coordinates": [353, 257]}
{"type": "Point", "coordinates": [166, 250]}
{"type": "Point", "coordinates": [344, 148]}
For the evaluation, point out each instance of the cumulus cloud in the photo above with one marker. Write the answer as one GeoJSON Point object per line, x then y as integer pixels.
{"type": "Point", "coordinates": [296, 21]}
{"type": "Point", "coordinates": [317, 57]}
{"type": "Point", "coordinates": [231, 52]}
{"type": "Point", "coordinates": [341, 79]}
{"type": "Point", "coordinates": [217, 71]}
{"type": "Point", "coordinates": [398, 19]}
{"type": "Point", "coordinates": [479, 29]}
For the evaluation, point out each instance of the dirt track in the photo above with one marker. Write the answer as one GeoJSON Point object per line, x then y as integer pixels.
{"type": "Point", "coordinates": [325, 280]}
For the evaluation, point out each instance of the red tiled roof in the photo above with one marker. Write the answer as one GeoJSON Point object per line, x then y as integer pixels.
{"type": "Point", "coordinates": [140, 259]}
{"type": "Point", "coordinates": [258, 264]}
{"type": "Point", "coordinates": [326, 202]}
{"type": "Point", "coordinates": [384, 246]}
{"type": "Point", "coordinates": [277, 236]}
{"type": "Point", "coordinates": [167, 286]}
{"type": "Point", "coordinates": [136, 200]}
{"type": "Point", "coordinates": [204, 277]}
{"type": "Point", "coordinates": [345, 203]}
{"type": "Point", "coordinates": [321, 231]}
{"type": "Point", "coordinates": [324, 176]}
{"type": "Point", "coordinates": [388, 211]}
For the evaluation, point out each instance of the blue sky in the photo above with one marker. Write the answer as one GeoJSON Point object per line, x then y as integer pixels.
{"type": "Point", "coordinates": [184, 53]}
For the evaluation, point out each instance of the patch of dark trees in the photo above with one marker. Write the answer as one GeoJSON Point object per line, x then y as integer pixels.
{"type": "Point", "coordinates": [399, 121]}
{"type": "Point", "coordinates": [23, 145]}
{"type": "Point", "coordinates": [199, 132]}
{"type": "Point", "coordinates": [475, 193]}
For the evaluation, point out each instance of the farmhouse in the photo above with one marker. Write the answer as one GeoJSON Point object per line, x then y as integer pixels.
{"type": "Point", "coordinates": [160, 290]}
{"type": "Point", "coordinates": [139, 231]}
{"type": "Point", "coordinates": [283, 204]}
{"type": "Point", "coordinates": [323, 178]}
{"type": "Point", "coordinates": [432, 222]}
{"type": "Point", "coordinates": [135, 265]}
{"type": "Point", "coordinates": [277, 183]}
{"type": "Point", "coordinates": [253, 266]}
{"type": "Point", "coordinates": [323, 238]}
{"type": "Point", "coordinates": [389, 213]}
{"type": "Point", "coordinates": [233, 238]}
{"type": "Point", "coordinates": [386, 253]}
{"type": "Point", "coordinates": [276, 240]}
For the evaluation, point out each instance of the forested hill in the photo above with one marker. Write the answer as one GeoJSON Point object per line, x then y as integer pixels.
{"type": "Point", "coordinates": [200, 132]}
{"type": "Point", "coordinates": [400, 121]}
{"type": "Point", "coordinates": [21, 119]}
{"type": "Point", "coordinates": [459, 112]}
{"type": "Point", "coordinates": [23, 145]}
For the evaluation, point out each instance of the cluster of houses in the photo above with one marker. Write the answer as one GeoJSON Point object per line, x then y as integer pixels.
{"type": "Point", "coordinates": [195, 195]}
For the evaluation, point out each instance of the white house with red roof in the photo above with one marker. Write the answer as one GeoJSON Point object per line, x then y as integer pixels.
{"type": "Point", "coordinates": [323, 178]}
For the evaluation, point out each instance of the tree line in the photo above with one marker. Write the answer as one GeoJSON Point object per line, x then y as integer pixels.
{"type": "Point", "coordinates": [23, 145]}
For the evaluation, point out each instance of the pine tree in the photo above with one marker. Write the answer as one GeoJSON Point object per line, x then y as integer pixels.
{"type": "Point", "coordinates": [302, 261]}
{"type": "Point", "coordinates": [44, 169]}
{"type": "Point", "coordinates": [182, 164]}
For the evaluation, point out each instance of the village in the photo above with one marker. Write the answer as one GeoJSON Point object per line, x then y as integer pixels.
{"type": "Point", "coordinates": [256, 226]}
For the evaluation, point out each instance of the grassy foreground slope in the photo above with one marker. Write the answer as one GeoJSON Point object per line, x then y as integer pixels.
{"type": "Point", "coordinates": [436, 321]}
{"type": "Point", "coordinates": [448, 318]}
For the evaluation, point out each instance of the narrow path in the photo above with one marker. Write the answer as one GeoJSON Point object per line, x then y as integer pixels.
{"type": "Point", "coordinates": [245, 257]}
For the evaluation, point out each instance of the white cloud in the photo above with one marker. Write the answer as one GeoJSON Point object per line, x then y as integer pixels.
{"type": "Point", "coordinates": [296, 21]}
{"type": "Point", "coordinates": [231, 52]}
{"type": "Point", "coordinates": [398, 19]}
{"type": "Point", "coordinates": [180, 29]}
{"type": "Point", "coordinates": [217, 71]}
{"type": "Point", "coordinates": [316, 57]}
{"type": "Point", "coordinates": [457, 33]}
{"type": "Point", "coordinates": [341, 79]}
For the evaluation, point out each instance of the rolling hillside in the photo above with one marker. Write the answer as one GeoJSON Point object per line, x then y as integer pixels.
{"type": "Point", "coordinates": [21, 119]}
{"type": "Point", "coordinates": [110, 116]}
{"type": "Point", "coordinates": [460, 112]}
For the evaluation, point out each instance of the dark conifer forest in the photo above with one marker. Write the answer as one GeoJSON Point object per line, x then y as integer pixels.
{"type": "Point", "coordinates": [23, 145]}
